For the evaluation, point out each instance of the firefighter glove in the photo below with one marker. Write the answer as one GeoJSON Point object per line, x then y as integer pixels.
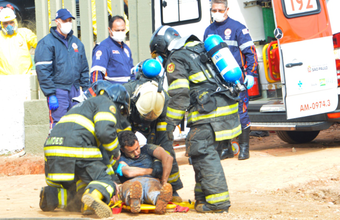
{"type": "Point", "coordinates": [53, 102]}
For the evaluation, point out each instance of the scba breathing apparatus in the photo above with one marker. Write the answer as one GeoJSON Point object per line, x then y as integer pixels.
{"type": "Point", "coordinates": [7, 14]}
{"type": "Point", "coordinates": [218, 51]}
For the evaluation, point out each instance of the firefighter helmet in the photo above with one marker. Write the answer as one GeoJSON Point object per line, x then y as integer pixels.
{"type": "Point", "coordinates": [161, 39]}
{"type": "Point", "coordinates": [150, 102]}
{"type": "Point", "coordinates": [93, 91]}
{"type": "Point", "coordinates": [118, 94]}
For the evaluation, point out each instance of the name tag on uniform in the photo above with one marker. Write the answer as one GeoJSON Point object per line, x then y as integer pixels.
{"type": "Point", "coordinates": [54, 141]}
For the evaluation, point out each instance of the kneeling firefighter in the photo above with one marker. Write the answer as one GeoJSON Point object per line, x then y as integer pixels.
{"type": "Point", "coordinates": [196, 87]}
{"type": "Point", "coordinates": [148, 112]}
{"type": "Point", "coordinates": [70, 199]}
{"type": "Point", "coordinates": [72, 150]}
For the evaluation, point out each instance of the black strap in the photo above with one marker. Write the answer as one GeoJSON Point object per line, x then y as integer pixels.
{"type": "Point", "coordinates": [216, 48]}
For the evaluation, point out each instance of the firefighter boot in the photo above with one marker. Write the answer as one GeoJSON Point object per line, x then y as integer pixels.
{"type": "Point", "coordinates": [243, 140]}
{"type": "Point", "coordinates": [94, 200]}
{"type": "Point", "coordinates": [48, 198]}
{"type": "Point", "coordinates": [136, 191]}
{"type": "Point", "coordinates": [175, 197]}
{"type": "Point", "coordinates": [86, 210]}
{"type": "Point", "coordinates": [163, 198]}
{"type": "Point", "coordinates": [227, 152]}
{"type": "Point", "coordinates": [202, 207]}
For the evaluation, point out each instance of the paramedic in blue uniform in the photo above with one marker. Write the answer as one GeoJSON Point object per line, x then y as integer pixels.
{"type": "Point", "coordinates": [111, 58]}
{"type": "Point", "coordinates": [237, 36]}
{"type": "Point", "coordinates": [61, 66]}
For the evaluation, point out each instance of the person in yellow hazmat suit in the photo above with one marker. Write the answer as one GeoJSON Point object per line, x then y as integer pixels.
{"type": "Point", "coordinates": [15, 57]}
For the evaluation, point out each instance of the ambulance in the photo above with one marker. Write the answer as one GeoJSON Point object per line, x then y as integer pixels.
{"type": "Point", "coordinates": [298, 46]}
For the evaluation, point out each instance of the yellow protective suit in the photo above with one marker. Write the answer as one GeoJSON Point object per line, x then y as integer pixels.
{"type": "Point", "coordinates": [15, 57]}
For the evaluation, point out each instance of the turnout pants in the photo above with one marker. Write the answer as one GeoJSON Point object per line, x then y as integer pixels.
{"type": "Point", "coordinates": [91, 174]}
{"type": "Point", "coordinates": [211, 186]}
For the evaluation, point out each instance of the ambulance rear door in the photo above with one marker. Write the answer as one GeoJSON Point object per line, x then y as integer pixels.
{"type": "Point", "coordinates": [186, 16]}
{"type": "Point", "coordinates": [308, 72]}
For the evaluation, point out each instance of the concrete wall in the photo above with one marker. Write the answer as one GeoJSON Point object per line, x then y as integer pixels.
{"type": "Point", "coordinates": [24, 122]}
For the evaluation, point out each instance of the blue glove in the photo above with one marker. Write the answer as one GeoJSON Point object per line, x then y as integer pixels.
{"type": "Point", "coordinates": [249, 81]}
{"type": "Point", "coordinates": [119, 170]}
{"type": "Point", "coordinates": [53, 102]}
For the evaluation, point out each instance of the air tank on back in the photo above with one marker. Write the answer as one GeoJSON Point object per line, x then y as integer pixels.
{"type": "Point", "coordinates": [223, 60]}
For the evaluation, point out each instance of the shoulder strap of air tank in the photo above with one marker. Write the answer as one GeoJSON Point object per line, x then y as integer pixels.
{"type": "Point", "coordinates": [216, 48]}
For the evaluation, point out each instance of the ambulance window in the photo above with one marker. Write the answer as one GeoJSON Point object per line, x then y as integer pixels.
{"type": "Point", "coordinates": [175, 12]}
{"type": "Point", "coordinates": [298, 8]}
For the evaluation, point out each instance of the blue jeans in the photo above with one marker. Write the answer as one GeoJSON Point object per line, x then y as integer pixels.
{"type": "Point", "coordinates": [151, 190]}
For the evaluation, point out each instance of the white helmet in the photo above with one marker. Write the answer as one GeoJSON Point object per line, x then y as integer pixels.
{"type": "Point", "coordinates": [150, 102]}
{"type": "Point", "coordinates": [7, 14]}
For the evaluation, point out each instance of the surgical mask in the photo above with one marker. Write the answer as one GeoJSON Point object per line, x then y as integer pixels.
{"type": "Point", "coordinates": [10, 29]}
{"type": "Point", "coordinates": [218, 17]}
{"type": "Point", "coordinates": [118, 36]}
{"type": "Point", "coordinates": [66, 28]}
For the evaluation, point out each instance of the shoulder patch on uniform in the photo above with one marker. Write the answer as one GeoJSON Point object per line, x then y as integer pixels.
{"type": "Point", "coordinates": [245, 31]}
{"type": "Point", "coordinates": [170, 68]}
{"type": "Point", "coordinates": [113, 109]}
{"type": "Point", "coordinates": [98, 54]}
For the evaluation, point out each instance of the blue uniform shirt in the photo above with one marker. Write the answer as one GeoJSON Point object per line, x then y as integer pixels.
{"type": "Point", "coordinates": [236, 35]}
{"type": "Point", "coordinates": [111, 61]}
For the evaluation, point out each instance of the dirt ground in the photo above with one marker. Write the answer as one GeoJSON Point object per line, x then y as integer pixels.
{"type": "Point", "coordinates": [279, 181]}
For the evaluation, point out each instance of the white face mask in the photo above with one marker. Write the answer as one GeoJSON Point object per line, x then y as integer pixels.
{"type": "Point", "coordinates": [218, 17]}
{"type": "Point", "coordinates": [66, 28]}
{"type": "Point", "coordinates": [118, 36]}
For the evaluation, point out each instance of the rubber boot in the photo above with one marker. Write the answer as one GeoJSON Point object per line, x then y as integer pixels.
{"type": "Point", "coordinates": [243, 141]}
{"type": "Point", "coordinates": [203, 208]}
{"type": "Point", "coordinates": [227, 153]}
{"type": "Point", "coordinates": [94, 201]}
{"type": "Point", "coordinates": [86, 210]}
{"type": "Point", "coordinates": [176, 198]}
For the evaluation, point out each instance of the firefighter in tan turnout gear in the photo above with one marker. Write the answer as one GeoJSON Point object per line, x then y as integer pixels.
{"type": "Point", "coordinates": [148, 112]}
{"type": "Point", "coordinates": [72, 149]}
{"type": "Point", "coordinates": [212, 112]}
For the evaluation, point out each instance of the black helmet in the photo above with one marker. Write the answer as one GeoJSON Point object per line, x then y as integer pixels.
{"type": "Point", "coordinates": [161, 39]}
{"type": "Point", "coordinates": [96, 87]}
{"type": "Point", "coordinates": [93, 91]}
{"type": "Point", "coordinates": [118, 94]}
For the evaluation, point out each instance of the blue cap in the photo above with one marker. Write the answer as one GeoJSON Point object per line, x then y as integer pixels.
{"type": "Point", "coordinates": [63, 14]}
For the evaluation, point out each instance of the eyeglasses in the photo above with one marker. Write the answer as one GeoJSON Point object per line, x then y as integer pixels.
{"type": "Point", "coordinates": [218, 10]}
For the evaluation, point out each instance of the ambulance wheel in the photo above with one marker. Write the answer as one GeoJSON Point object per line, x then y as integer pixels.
{"type": "Point", "coordinates": [297, 137]}
{"type": "Point", "coordinates": [236, 148]}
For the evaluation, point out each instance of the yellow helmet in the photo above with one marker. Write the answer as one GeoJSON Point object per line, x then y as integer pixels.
{"type": "Point", "coordinates": [150, 102]}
